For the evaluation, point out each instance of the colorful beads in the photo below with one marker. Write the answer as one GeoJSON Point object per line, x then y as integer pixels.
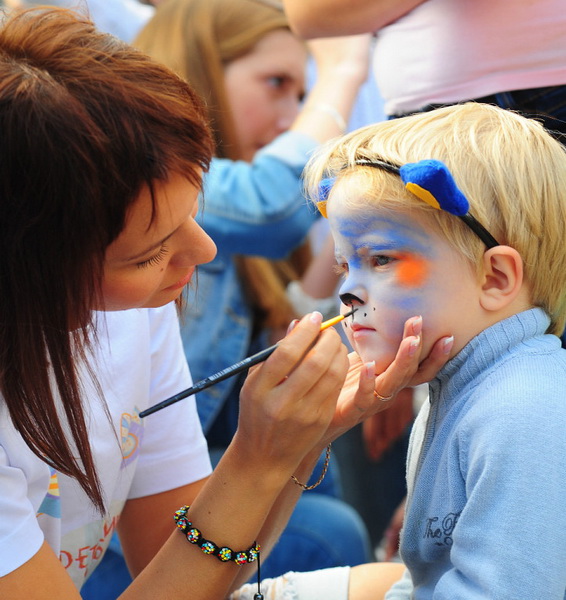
{"type": "Point", "coordinates": [193, 535]}
{"type": "Point", "coordinates": [224, 554]}
{"type": "Point", "coordinates": [183, 523]}
{"type": "Point", "coordinates": [208, 547]}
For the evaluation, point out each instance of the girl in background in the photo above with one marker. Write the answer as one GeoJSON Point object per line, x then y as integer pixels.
{"type": "Point", "coordinates": [250, 70]}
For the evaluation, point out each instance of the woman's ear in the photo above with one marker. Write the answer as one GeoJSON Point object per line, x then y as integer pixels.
{"type": "Point", "coordinates": [502, 277]}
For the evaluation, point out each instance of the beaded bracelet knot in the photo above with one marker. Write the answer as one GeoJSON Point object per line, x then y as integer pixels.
{"type": "Point", "coordinates": [222, 553]}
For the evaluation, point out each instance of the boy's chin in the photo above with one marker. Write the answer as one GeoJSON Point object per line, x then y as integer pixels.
{"type": "Point", "coordinates": [381, 357]}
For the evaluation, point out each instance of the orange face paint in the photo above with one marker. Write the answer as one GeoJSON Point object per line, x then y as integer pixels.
{"type": "Point", "coordinates": [412, 270]}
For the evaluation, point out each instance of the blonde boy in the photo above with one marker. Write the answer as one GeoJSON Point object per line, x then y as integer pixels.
{"type": "Point", "coordinates": [486, 474]}
{"type": "Point", "coordinates": [459, 215]}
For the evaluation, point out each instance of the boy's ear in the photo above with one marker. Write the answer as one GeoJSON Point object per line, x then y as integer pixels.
{"type": "Point", "coordinates": [502, 277]}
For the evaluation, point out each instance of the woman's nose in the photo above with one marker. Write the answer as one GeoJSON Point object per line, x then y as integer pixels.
{"type": "Point", "coordinates": [196, 247]}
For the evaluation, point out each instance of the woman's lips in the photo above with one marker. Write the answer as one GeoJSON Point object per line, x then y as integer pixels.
{"type": "Point", "coordinates": [182, 282]}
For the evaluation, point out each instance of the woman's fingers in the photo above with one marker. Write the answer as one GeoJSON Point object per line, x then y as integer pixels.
{"type": "Point", "coordinates": [437, 358]}
{"type": "Point", "coordinates": [291, 349]}
{"type": "Point", "coordinates": [401, 371]}
{"type": "Point", "coordinates": [289, 400]}
{"type": "Point", "coordinates": [364, 394]}
{"type": "Point", "coordinates": [409, 368]}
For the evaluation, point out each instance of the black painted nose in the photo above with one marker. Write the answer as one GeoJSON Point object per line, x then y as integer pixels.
{"type": "Point", "coordinates": [349, 299]}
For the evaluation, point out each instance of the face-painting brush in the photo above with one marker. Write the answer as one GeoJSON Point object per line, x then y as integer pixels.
{"type": "Point", "coordinates": [233, 370]}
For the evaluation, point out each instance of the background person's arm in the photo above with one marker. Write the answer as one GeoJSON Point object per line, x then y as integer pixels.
{"type": "Point", "coordinates": [328, 18]}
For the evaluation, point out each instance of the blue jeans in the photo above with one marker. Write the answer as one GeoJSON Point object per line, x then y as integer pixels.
{"type": "Point", "coordinates": [323, 532]}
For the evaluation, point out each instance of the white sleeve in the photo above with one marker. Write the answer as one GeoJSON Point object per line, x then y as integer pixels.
{"type": "Point", "coordinates": [303, 303]}
{"type": "Point", "coordinates": [20, 534]}
{"type": "Point", "coordinates": [174, 450]}
{"type": "Point", "coordinates": [330, 584]}
{"type": "Point", "coordinates": [402, 589]}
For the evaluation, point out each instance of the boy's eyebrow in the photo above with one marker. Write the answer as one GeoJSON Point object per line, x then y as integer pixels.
{"type": "Point", "coordinates": [432, 182]}
{"type": "Point", "coordinates": [404, 244]}
{"type": "Point", "coordinates": [429, 180]}
{"type": "Point", "coordinates": [390, 233]}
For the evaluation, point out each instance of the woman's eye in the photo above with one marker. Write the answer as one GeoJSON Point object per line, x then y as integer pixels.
{"type": "Point", "coordinates": [155, 259]}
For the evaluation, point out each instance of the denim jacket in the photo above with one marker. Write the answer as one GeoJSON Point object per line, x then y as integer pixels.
{"type": "Point", "coordinates": [252, 209]}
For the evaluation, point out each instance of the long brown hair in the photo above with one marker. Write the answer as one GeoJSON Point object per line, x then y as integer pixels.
{"type": "Point", "coordinates": [86, 121]}
{"type": "Point", "coordinates": [197, 39]}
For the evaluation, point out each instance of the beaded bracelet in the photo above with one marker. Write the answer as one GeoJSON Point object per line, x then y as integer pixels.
{"type": "Point", "coordinates": [223, 553]}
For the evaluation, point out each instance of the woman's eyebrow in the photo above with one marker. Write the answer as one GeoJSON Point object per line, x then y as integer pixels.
{"type": "Point", "coordinates": [150, 248]}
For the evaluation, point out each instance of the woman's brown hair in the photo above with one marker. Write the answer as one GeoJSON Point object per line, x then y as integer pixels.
{"type": "Point", "coordinates": [197, 39]}
{"type": "Point", "coordinates": [86, 121]}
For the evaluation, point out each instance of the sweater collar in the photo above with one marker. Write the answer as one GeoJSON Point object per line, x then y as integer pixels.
{"type": "Point", "coordinates": [484, 350]}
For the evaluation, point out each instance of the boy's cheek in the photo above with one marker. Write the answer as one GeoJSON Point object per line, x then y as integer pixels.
{"type": "Point", "coordinates": [379, 352]}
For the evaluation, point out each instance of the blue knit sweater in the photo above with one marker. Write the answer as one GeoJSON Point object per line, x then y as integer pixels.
{"type": "Point", "coordinates": [486, 511]}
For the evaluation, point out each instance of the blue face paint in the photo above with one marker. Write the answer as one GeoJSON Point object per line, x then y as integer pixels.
{"type": "Point", "coordinates": [377, 250]}
{"type": "Point", "coordinates": [431, 181]}
{"type": "Point", "coordinates": [397, 265]}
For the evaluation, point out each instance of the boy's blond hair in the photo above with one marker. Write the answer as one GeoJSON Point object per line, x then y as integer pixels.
{"type": "Point", "coordinates": [510, 169]}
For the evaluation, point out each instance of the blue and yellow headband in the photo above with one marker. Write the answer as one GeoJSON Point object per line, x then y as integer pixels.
{"type": "Point", "coordinates": [429, 180]}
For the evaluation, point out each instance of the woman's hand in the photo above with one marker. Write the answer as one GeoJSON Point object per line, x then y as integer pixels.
{"type": "Point", "coordinates": [363, 394]}
{"type": "Point", "coordinates": [288, 402]}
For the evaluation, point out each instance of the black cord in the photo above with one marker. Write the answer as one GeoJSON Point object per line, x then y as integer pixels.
{"type": "Point", "coordinates": [259, 595]}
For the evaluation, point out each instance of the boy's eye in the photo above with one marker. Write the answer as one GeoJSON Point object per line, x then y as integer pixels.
{"type": "Point", "coordinates": [277, 81]}
{"type": "Point", "coordinates": [380, 260]}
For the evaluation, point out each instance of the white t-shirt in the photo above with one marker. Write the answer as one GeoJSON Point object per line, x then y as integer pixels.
{"type": "Point", "coordinates": [139, 362]}
{"type": "Point", "coordinates": [447, 51]}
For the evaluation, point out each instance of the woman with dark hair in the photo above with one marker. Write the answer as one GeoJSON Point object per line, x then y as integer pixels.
{"type": "Point", "coordinates": [242, 58]}
{"type": "Point", "coordinates": [101, 159]}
